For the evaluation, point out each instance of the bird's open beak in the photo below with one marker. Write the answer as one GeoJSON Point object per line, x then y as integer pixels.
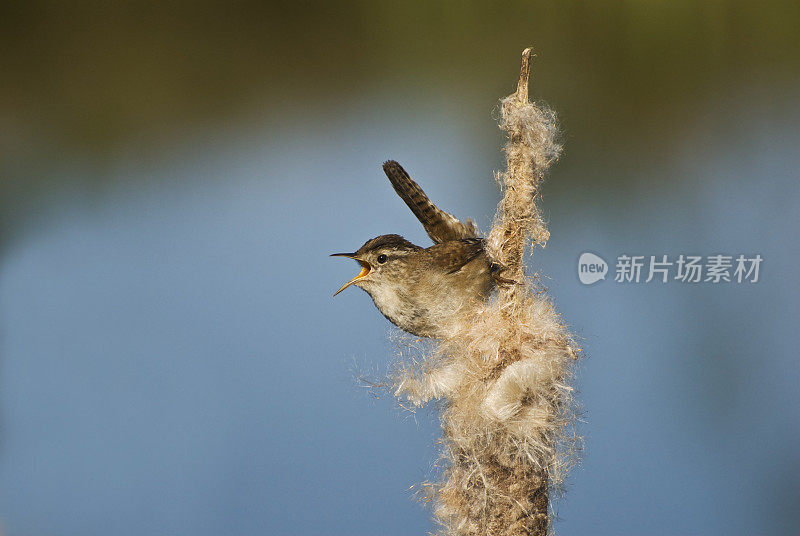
{"type": "Point", "coordinates": [365, 269]}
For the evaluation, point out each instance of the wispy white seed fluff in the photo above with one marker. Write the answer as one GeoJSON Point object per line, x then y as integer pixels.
{"type": "Point", "coordinates": [502, 375]}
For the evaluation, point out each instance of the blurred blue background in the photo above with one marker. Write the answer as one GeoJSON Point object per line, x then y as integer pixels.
{"type": "Point", "coordinates": [173, 177]}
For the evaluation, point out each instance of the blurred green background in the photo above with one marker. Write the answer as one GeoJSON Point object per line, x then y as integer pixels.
{"type": "Point", "coordinates": [173, 175]}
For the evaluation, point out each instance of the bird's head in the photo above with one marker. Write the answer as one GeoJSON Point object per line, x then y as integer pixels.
{"type": "Point", "coordinates": [383, 260]}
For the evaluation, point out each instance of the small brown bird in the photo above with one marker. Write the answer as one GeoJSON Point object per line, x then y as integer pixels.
{"type": "Point", "coordinates": [424, 290]}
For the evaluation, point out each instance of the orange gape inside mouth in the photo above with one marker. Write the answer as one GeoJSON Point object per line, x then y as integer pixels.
{"type": "Point", "coordinates": [365, 270]}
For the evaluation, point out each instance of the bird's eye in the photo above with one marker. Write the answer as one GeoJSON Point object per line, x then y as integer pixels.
{"type": "Point", "coordinates": [382, 258]}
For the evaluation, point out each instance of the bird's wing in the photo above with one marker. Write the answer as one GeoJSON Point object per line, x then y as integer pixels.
{"type": "Point", "coordinates": [440, 226]}
{"type": "Point", "coordinates": [453, 255]}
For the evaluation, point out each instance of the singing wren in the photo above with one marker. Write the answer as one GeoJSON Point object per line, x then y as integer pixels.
{"type": "Point", "coordinates": [424, 291]}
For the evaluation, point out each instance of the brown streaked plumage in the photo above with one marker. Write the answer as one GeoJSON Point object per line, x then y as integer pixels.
{"type": "Point", "coordinates": [424, 290]}
{"type": "Point", "coordinates": [440, 225]}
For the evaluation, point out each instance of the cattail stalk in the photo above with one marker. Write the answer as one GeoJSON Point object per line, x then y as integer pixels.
{"type": "Point", "coordinates": [503, 373]}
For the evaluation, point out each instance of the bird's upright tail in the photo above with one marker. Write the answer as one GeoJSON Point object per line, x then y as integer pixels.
{"type": "Point", "coordinates": [440, 225]}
